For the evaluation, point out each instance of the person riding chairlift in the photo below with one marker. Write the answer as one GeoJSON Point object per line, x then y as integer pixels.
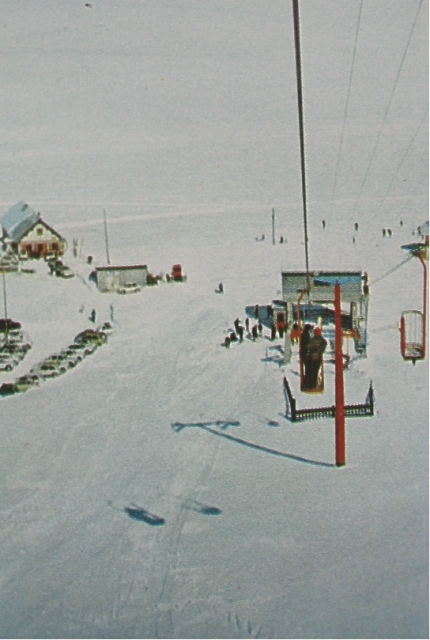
{"type": "Point", "coordinates": [314, 357]}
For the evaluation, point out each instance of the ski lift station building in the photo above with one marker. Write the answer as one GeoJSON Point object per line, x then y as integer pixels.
{"type": "Point", "coordinates": [311, 305]}
{"type": "Point", "coordinates": [111, 278]}
{"type": "Point", "coordinates": [27, 235]}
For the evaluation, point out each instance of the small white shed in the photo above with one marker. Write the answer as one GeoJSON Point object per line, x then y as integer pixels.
{"type": "Point", "coordinates": [111, 278]}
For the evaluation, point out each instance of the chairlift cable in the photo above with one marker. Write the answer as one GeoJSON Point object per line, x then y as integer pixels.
{"type": "Point", "coordinates": [378, 137]}
{"type": "Point", "coordinates": [301, 130]}
{"type": "Point", "coordinates": [336, 173]}
{"type": "Point", "coordinates": [409, 147]}
{"type": "Point", "coordinates": [393, 269]}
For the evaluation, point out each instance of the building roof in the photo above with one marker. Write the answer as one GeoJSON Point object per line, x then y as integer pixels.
{"type": "Point", "coordinates": [18, 220]}
{"type": "Point", "coordinates": [122, 267]}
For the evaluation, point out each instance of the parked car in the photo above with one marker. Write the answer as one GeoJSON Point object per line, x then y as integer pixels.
{"type": "Point", "coordinates": [74, 354]}
{"type": "Point", "coordinates": [15, 351]}
{"type": "Point", "coordinates": [133, 287]}
{"type": "Point", "coordinates": [106, 327]}
{"type": "Point", "coordinates": [90, 348]}
{"type": "Point", "coordinates": [7, 365]}
{"type": "Point", "coordinates": [91, 336]}
{"type": "Point", "coordinates": [61, 366]}
{"type": "Point", "coordinates": [23, 383]}
{"type": "Point", "coordinates": [7, 389]}
{"type": "Point", "coordinates": [71, 357]}
{"type": "Point", "coordinates": [8, 324]}
{"type": "Point", "coordinates": [45, 370]}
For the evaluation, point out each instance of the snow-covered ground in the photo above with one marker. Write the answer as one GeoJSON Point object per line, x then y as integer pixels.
{"type": "Point", "coordinates": [180, 119]}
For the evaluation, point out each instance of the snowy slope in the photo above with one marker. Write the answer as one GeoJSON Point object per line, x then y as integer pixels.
{"type": "Point", "coordinates": [262, 535]}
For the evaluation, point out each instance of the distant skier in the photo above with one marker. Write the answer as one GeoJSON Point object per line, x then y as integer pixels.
{"type": "Point", "coordinates": [384, 233]}
{"type": "Point", "coordinates": [247, 324]}
{"type": "Point", "coordinates": [390, 233]}
{"type": "Point", "coordinates": [236, 324]}
{"type": "Point", "coordinates": [240, 331]}
{"type": "Point", "coordinates": [260, 328]}
{"type": "Point", "coordinates": [255, 332]}
{"type": "Point", "coordinates": [257, 311]}
{"type": "Point", "coordinates": [221, 287]}
{"type": "Point", "coordinates": [273, 331]}
{"type": "Point", "coordinates": [111, 313]}
{"type": "Point", "coordinates": [323, 224]}
{"type": "Point", "coordinates": [233, 336]}
{"type": "Point", "coordinates": [227, 342]}
{"type": "Point", "coordinates": [92, 316]}
{"type": "Point", "coordinates": [356, 226]}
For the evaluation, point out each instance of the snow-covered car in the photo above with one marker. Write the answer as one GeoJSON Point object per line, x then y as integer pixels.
{"type": "Point", "coordinates": [7, 365]}
{"type": "Point", "coordinates": [129, 288]}
{"type": "Point", "coordinates": [7, 389]}
{"type": "Point", "coordinates": [74, 351]}
{"type": "Point", "coordinates": [90, 348]}
{"type": "Point", "coordinates": [106, 327]}
{"type": "Point", "coordinates": [71, 358]}
{"type": "Point", "coordinates": [6, 324]}
{"type": "Point", "coordinates": [19, 340]}
{"type": "Point", "coordinates": [46, 370]}
{"type": "Point", "coordinates": [61, 366]}
{"type": "Point", "coordinates": [91, 336]}
{"type": "Point", "coordinates": [18, 350]}
{"type": "Point", "coordinates": [23, 383]}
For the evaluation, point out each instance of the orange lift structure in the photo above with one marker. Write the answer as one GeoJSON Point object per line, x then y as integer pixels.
{"type": "Point", "coordinates": [413, 323]}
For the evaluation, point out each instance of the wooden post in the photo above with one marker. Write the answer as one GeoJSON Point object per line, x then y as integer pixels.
{"type": "Point", "coordinates": [340, 400]}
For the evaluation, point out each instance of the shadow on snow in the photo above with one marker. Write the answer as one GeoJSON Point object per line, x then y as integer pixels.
{"type": "Point", "coordinates": [206, 426]}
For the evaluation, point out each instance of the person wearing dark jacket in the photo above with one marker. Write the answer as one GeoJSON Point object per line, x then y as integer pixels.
{"type": "Point", "coordinates": [303, 349]}
{"type": "Point", "coordinates": [315, 351]}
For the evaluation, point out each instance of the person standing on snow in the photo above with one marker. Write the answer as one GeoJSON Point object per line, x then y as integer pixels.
{"type": "Point", "coordinates": [303, 349]}
{"type": "Point", "coordinates": [315, 351]}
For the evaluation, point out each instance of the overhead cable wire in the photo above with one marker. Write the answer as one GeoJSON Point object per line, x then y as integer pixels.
{"type": "Point", "coordinates": [393, 269]}
{"type": "Point", "coordinates": [369, 164]}
{"type": "Point", "coordinates": [351, 73]}
{"type": "Point", "coordinates": [409, 147]}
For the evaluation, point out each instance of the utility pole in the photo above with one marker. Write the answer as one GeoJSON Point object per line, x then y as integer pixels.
{"type": "Point", "coordinates": [5, 307]}
{"type": "Point", "coordinates": [106, 236]}
{"type": "Point", "coordinates": [273, 226]}
{"type": "Point", "coordinates": [4, 296]}
{"type": "Point", "coordinates": [340, 399]}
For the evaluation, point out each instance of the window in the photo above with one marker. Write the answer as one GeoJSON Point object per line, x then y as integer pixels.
{"type": "Point", "coordinates": [39, 231]}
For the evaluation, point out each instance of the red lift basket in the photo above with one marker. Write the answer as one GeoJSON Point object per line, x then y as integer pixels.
{"type": "Point", "coordinates": [412, 335]}
{"type": "Point", "coordinates": [319, 387]}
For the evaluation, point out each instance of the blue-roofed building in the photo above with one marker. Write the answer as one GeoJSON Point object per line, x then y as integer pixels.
{"type": "Point", "coordinates": [309, 297]}
{"type": "Point", "coordinates": [26, 234]}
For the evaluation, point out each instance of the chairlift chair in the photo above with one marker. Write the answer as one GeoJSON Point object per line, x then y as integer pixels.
{"type": "Point", "coordinates": [304, 385]}
{"type": "Point", "coordinates": [412, 335]}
